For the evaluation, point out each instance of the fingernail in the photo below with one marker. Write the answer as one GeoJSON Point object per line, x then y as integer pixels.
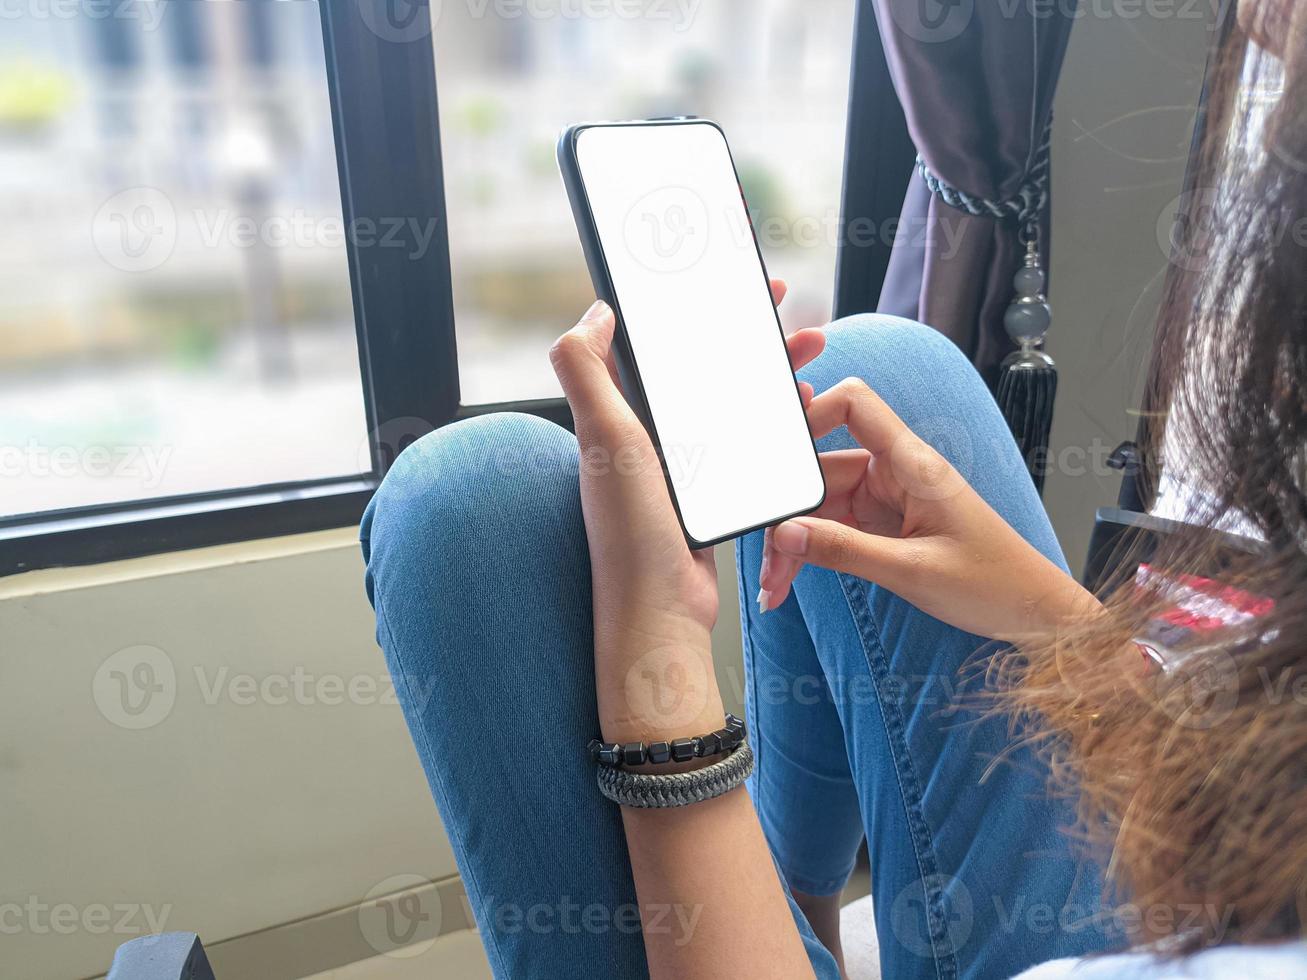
{"type": "Point", "coordinates": [598, 309]}
{"type": "Point", "coordinates": [764, 599]}
{"type": "Point", "coordinates": [791, 538]}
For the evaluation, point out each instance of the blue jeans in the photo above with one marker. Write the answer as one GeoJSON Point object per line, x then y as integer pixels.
{"type": "Point", "coordinates": [860, 706]}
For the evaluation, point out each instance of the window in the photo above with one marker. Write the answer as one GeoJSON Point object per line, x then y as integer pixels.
{"type": "Point", "coordinates": [174, 290]}
{"type": "Point", "coordinates": [226, 297]}
{"type": "Point", "coordinates": [512, 75]}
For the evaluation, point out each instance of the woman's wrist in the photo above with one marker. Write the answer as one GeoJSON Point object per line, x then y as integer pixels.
{"type": "Point", "coordinates": [1064, 602]}
{"type": "Point", "coordinates": [654, 680]}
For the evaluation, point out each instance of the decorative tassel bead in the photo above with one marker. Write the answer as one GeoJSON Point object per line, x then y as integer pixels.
{"type": "Point", "coordinates": [1027, 382]}
{"type": "Point", "coordinates": [1027, 319]}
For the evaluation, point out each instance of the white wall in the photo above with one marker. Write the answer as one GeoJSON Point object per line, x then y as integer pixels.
{"type": "Point", "coordinates": [1123, 120]}
{"type": "Point", "coordinates": [225, 817]}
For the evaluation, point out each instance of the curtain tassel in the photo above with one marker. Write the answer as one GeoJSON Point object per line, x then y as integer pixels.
{"type": "Point", "coordinates": [1027, 381]}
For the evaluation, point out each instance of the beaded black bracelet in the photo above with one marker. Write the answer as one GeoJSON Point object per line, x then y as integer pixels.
{"type": "Point", "coordinates": [640, 789]}
{"type": "Point", "coordinates": [616, 755]}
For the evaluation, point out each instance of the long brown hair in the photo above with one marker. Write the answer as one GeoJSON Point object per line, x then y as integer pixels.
{"type": "Point", "coordinates": [1191, 783]}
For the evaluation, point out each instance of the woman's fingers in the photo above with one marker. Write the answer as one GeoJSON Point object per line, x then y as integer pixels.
{"type": "Point", "coordinates": [778, 291]}
{"type": "Point", "coordinates": [844, 470]}
{"type": "Point", "coordinates": [871, 422]}
{"type": "Point", "coordinates": [804, 346]}
{"type": "Point", "coordinates": [837, 546]}
{"type": "Point", "coordinates": [581, 360]}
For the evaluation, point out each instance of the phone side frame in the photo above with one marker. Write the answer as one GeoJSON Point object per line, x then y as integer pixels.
{"type": "Point", "coordinates": [623, 356]}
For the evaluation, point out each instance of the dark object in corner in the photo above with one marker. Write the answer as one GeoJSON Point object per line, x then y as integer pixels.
{"type": "Point", "coordinates": [167, 956]}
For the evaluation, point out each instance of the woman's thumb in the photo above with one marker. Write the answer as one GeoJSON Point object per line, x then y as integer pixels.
{"type": "Point", "coordinates": [839, 547]}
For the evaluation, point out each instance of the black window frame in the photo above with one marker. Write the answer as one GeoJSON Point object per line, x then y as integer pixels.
{"type": "Point", "coordinates": [384, 107]}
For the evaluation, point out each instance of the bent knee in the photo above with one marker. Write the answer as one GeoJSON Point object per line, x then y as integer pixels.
{"type": "Point", "coordinates": [925, 379]}
{"type": "Point", "coordinates": [476, 488]}
{"type": "Point", "coordinates": [889, 353]}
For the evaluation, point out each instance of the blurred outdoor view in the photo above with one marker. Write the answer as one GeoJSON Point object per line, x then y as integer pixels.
{"type": "Point", "coordinates": [175, 311]}
{"type": "Point", "coordinates": [513, 73]}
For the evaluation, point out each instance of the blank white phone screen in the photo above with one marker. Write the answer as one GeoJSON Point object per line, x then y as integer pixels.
{"type": "Point", "coordinates": [706, 340]}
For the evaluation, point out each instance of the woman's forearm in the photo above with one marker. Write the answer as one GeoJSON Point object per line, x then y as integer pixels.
{"type": "Point", "coordinates": [711, 903]}
{"type": "Point", "coordinates": [710, 899]}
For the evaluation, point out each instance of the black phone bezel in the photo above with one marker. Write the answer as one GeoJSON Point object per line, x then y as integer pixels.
{"type": "Point", "coordinates": [627, 369]}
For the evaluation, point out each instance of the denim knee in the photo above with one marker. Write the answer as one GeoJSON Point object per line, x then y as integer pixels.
{"type": "Point", "coordinates": [890, 352]}
{"type": "Point", "coordinates": [930, 385]}
{"type": "Point", "coordinates": [470, 499]}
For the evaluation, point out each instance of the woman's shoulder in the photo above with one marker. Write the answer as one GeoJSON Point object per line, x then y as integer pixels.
{"type": "Point", "coordinates": [1284, 961]}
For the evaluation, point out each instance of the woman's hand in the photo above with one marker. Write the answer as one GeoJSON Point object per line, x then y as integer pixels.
{"type": "Point", "coordinates": [898, 514]}
{"type": "Point", "coordinates": [655, 600]}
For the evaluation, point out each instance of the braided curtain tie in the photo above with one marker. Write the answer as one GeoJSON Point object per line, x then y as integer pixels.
{"type": "Point", "coordinates": [1024, 207]}
{"type": "Point", "coordinates": [646, 790]}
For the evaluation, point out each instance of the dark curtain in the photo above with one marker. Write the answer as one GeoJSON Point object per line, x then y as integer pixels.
{"type": "Point", "coordinates": [976, 80]}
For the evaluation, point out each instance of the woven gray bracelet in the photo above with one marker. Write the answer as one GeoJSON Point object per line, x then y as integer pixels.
{"type": "Point", "coordinates": [646, 790]}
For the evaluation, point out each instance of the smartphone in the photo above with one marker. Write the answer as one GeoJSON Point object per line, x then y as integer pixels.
{"type": "Point", "coordinates": [699, 347]}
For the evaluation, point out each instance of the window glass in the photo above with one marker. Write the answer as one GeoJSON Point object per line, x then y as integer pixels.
{"type": "Point", "coordinates": [175, 312]}
{"type": "Point", "coordinates": [513, 73]}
